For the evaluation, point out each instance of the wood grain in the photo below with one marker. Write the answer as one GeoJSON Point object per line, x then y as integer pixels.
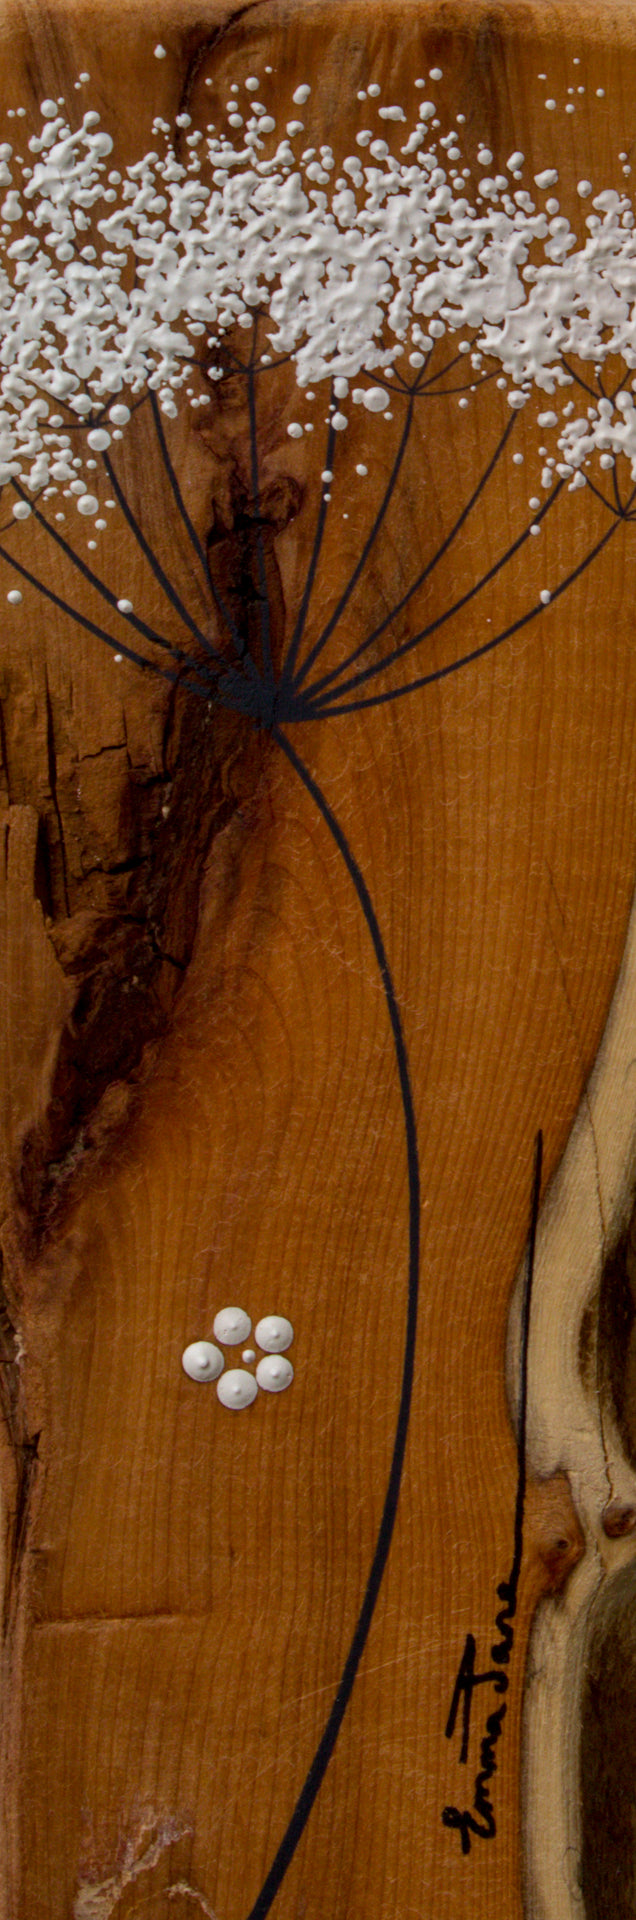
{"type": "Point", "coordinates": [183, 1586]}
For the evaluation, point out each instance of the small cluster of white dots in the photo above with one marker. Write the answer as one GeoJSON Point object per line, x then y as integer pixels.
{"type": "Point", "coordinates": [236, 1387]}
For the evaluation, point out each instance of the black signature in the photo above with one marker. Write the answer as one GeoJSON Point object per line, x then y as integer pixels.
{"type": "Point", "coordinates": [480, 1819]}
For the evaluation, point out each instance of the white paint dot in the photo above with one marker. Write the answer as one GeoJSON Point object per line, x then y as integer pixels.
{"type": "Point", "coordinates": [88, 504]}
{"type": "Point", "coordinates": [274, 1333]}
{"type": "Point", "coordinates": [14, 597]}
{"type": "Point", "coordinates": [275, 1373]}
{"type": "Point", "coordinates": [118, 657]}
{"type": "Point", "coordinates": [545, 596]}
{"type": "Point", "coordinates": [295, 430]}
{"type": "Point", "coordinates": [550, 104]}
{"type": "Point", "coordinates": [237, 1389]}
{"type": "Point", "coordinates": [252, 84]}
{"type": "Point", "coordinates": [374, 90]}
{"type": "Point", "coordinates": [248, 1357]}
{"type": "Point", "coordinates": [232, 1326]}
{"type": "Point", "coordinates": [98, 439]}
{"type": "Point", "coordinates": [160, 53]}
{"type": "Point", "coordinates": [301, 95]}
{"type": "Point", "coordinates": [362, 470]}
{"type": "Point", "coordinates": [124, 606]}
{"type": "Point", "coordinates": [339, 422]}
{"type": "Point", "coordinates": [202, 1361]}
{"type": "Point", "coordinates": [376, 400]}
{"type": "Point", "coordinates": [435, 73]}
{"type": "Point", "coordinates": [120, 416]}
{"type": "Point", "coordinates": [22, 510]}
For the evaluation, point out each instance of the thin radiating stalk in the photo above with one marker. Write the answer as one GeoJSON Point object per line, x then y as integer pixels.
{"type": "Point", "coordinates": [334, 674]}
{"type": "Point", "coordinates": [333, 708]}
{"type": "Point", "coordinates": [366, 551]}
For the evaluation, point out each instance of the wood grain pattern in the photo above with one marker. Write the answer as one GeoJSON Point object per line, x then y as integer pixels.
{"type": "Point", "coordinates": [183, 1587]}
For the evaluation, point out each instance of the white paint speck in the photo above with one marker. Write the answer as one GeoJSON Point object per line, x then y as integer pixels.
{"type": "Point", "coordinates": [160, 52]}
{"type": "Point", "coordinates": [236, 1389]}
{"type": "Point", "coordinates": [376, 400]}
{"type": "Point", "coordinates": [202, 1361]}
{"type": "Point", "coordinates": [232, 1326]}
{"type": "Point", "coordinates": [14, 597]}
{"type": "Point", "coordinates": [274, 1373]}
{"type": "Point", "coordinates": [274, 1333]}
{"type": "Point", "coordinates": [124, 606]}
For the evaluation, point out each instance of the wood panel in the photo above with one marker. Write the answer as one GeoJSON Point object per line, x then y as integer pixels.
{"type": "Point", "coordinates": [201, 1101]}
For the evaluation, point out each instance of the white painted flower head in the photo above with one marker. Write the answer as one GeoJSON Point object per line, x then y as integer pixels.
{"type": "Point", "coordinates": [111, 279]}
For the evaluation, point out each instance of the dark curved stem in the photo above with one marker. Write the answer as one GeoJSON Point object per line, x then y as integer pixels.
{"type": "Point", "coordinates": [191, 531]}
{"type": "Point", "coordinates": [467, 659]}
{"type": "Point", "coordinates": [333, 676]}
{"type": "Point", "coordinates": [132, 619]}
{"type": "Point", "coordinates": [326, 1744]}
{"type": "Point", "coordinates": [161, 576]}
{"type": "Point", "coordinates": [299, 628]}
{"type": "Point", "coordinates": [266, 647]}
{"type": "Point", "coordinates": [367, 549]}
{"type": "Point", "coordinates": [89, 626]}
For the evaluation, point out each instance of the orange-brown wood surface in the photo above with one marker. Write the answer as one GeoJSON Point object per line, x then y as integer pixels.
{"type": "Point", "coordinates": [183, 1583]}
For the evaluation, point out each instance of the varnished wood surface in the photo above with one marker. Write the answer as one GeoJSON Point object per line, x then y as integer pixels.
{"type": "Point", "coordinates": [188, 1581]}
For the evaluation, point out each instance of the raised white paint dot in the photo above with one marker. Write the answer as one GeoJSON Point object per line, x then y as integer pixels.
{"type": "Point", "coordinates": [88, 504]}
{"type": "Point", "coordinates": [248, 1357]}
{"type": "Point", "coordinates": [124, 606]}
{"type": "Point", "coordinates": [376, 400]}
{"type": "Point", "coordinates": [274, 1333]}
{"type": "Point", "coordinates": [237, 1389]}
{"type": "Point", "coordinates": [160, 53]}
{"type": "Point", "coordinates": [232, 1326]}
{"type": "Point", "coordinates": [202, 1361]}
{"type": "Point", "coordinates": [14, 597]}
{"type": "Point", "coordinates": [21, 510]}
{"type": "Point", "coordinates": [274, 1374]}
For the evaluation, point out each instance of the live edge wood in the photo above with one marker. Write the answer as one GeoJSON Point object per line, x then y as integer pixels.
{"type": "Point", "coordinates": [180, 1588]}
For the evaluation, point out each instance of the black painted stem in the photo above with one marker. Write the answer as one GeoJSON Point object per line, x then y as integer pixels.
{"type": "Point", "coordinates": [329, 1736]}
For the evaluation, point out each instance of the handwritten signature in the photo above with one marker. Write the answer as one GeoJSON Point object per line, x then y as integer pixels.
{"type": "Point", "coordinates": [479, 1820]}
